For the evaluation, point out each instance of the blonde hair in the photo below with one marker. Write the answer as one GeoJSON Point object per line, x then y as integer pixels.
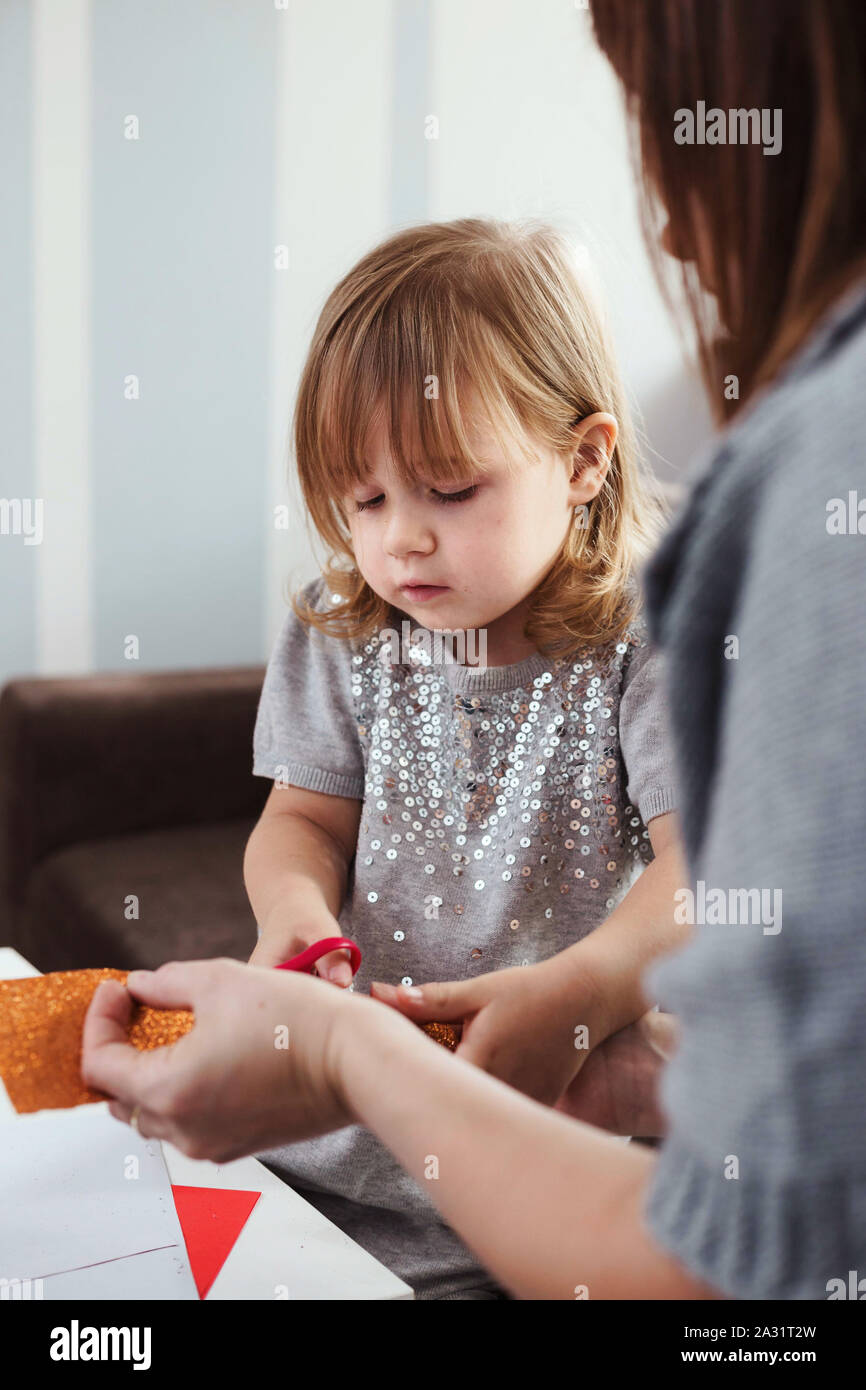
{"type": "Point", "coordinates": [431, 315]}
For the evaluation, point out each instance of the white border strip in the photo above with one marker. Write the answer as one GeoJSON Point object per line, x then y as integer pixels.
{"type": "Point", "coordinates": [332, 158]}
{"type": "Point", "coordinates": [282, 333]}
{"type": "Point", "coordinates": [61, 338]}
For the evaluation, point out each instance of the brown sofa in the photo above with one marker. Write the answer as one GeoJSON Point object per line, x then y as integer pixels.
{"type": "Point", "coordinates": [122, 786]}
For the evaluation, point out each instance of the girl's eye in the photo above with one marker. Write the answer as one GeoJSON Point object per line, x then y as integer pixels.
{"type": "Point", "coordinates": [458, 496]}
{"type": "Point", "coordinates": [446, 497]}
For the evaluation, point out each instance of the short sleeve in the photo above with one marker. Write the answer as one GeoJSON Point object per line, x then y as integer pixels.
{"type": "Point", "coordinates": [306, 733]}
{"type": "Point", "coordinates": [644, 735]}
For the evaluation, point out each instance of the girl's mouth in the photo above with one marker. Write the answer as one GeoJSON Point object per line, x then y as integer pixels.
{"type": "Point", "coordinates": [419, 593]}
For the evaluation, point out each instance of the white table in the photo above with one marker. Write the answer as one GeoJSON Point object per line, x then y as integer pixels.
{"type": "Point", "coordinates": [285, 1243]}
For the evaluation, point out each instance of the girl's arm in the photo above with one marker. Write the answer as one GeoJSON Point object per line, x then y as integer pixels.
{"type": "Point", "coordinates": [611, 960]}
{"type": "Point", "coordinates": [295, 870]}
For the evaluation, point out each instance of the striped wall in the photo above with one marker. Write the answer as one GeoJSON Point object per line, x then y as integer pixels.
{"type": "Point", "coordinates": [183, 182]}
{"type": "Point", "coordinates": [19, 564]}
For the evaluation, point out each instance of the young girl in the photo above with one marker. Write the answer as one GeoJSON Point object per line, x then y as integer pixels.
{"type": "Point", "coordinates": [464, 452]}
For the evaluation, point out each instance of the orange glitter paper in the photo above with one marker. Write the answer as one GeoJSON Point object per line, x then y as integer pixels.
{"type": "Point", "coordinates": [41, 1026]}
{"type": "Point", "coordinates": [443, 1033]}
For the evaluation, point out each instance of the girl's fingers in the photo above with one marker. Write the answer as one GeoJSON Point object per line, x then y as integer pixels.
{"type": "Point", "coordinates": [267, 954]}
{"type": "Point", "coordinates": [336, 967]}
{"type": "Point", "coordinates": [431, 1003]}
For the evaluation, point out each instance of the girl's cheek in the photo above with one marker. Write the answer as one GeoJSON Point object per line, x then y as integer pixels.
{"type": "Point", "coordinates": [487, 522]}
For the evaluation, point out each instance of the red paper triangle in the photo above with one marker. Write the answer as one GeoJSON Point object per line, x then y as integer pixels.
{"type": "Point", "coordinates": [211, 1219]}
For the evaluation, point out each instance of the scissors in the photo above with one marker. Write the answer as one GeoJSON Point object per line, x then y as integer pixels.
{"type": "Point", "coordinates": [305, 960]}
{"type": "Point", "coordinates": [446, 1033]}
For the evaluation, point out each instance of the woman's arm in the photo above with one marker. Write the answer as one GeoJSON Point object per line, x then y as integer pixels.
{"type": "Point", "coordinates": [552, 1207]}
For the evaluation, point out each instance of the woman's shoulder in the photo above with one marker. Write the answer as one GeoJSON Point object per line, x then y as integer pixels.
{"type": "Point", "coordinates": [784, 478]}
{"type": "Point", "coordinates": [804, 453]}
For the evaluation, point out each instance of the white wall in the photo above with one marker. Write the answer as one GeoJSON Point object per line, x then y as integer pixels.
{"type": "Point", "coordinates": [531, 124]}
{"type": "Point", "coordinates": [297, 123]}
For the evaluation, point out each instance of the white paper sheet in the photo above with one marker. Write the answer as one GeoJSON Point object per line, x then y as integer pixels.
{"type": "Point", "coordinates": [79, 1189]}
{"type": "Point", "coordinates": [158, 1274]}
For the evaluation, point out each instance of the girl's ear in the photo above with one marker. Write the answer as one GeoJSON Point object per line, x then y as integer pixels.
{"type": "Point", "coordinates": [594, 443]}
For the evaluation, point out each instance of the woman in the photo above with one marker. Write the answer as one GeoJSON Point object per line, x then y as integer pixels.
{"type": "Point", "coordinates": [759, 1189]}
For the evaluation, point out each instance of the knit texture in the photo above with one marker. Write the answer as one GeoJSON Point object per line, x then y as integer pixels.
{"type": "Point", "coordinates": [760, 1188]}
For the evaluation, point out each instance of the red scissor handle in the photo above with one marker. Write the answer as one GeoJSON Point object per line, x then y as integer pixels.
{"type": "Point", "coordinates": [305, 960]}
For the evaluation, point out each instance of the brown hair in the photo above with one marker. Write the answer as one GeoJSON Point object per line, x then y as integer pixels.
{"type": "Point", "coordinates": [782, 234]}
{"type": "Point", "coordinates": [433, 316]}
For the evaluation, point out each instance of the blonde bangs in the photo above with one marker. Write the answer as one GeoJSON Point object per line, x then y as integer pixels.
{"type": "Point", "coordinates": [419, 368]}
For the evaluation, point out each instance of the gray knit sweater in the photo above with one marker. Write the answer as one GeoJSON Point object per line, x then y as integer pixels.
{"type": "Point", "coordinates": [758, 596]}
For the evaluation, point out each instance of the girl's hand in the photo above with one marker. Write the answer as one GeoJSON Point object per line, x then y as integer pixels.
{"type": "Point", "coordinates": [258, 1068]}
{"type": "Point", "coordinates": [531, 1026]}
{"type": "Point", "coordinates": [618, 1087]}
{"type": "Point", "coordinates": [282, 938]}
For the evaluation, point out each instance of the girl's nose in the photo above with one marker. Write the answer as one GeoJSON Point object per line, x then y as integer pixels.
{"type": "Point", "coordinates": [407, 532]}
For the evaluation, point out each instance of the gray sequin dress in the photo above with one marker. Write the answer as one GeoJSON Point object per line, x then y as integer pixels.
{"type": "Point", "coordinates": [504, 816]}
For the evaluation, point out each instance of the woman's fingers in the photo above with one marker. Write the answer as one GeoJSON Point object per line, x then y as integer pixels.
{"type": "Point", "coordinates": [231, 1085]}
{"type": "Point", "coordinates": [108, 1063]}
{"type": "Point", "coordinates": [149, 1125]}
{"type": "Point", "coordinates": [178, 984]}
{"type": "Point", "coordinates": [448, 1002]}
{"type": "Point", "coordinates": [108, 1022]}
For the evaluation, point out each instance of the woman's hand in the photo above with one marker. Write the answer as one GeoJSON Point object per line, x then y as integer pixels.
{"type": "Point", "coordinates": [532, 1026]}
{"type": "Point", "coordinates": [258, 1068]}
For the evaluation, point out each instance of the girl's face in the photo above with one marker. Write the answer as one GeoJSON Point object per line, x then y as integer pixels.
{"type": "Point", "coordinates": [484, 545]}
